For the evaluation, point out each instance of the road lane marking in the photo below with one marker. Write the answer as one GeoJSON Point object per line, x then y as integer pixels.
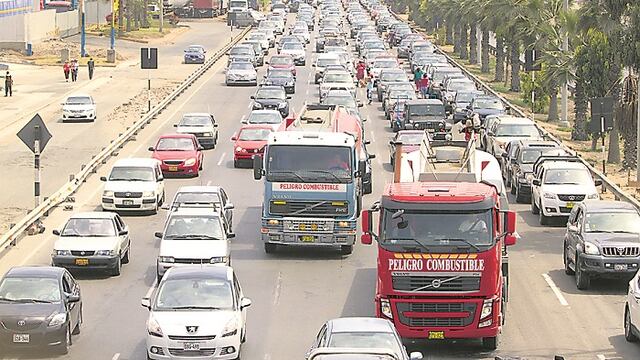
{"type": "Point", "coordinates": [149, 292]}
{"type": "Point", "coordinates": [242, 118]}
{"type": "Point", "coordinates": [373, 136]}
{"type": "Point", "coordinates": [209, 182]}
{"type": "Point", "coordinates": [221, 158]}
{"type": "Point", "coordinates": [267, 357]}
{"type": "Point", "coordinates": [116, 356]}
{"type": "Point", "coordinates": [276, 295]}
{"type": "Point", "coordinates": [555, 290]}
{"type": "Point", "coordinates": [601, 357]}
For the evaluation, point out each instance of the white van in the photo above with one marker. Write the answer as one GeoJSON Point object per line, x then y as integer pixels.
{"type": "Point", "coordinates": [238, 5]}
{"type": "Point", "coordinates": [134, 184]}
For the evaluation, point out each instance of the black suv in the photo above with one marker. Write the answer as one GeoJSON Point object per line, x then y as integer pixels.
{"type": "Point", "coordinates": [602, 240]}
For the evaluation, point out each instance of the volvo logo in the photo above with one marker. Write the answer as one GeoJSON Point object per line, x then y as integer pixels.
{"type": "Point", "coordinates": [192, 329]}
{"type": "Point", "coordinates": [22, 322]}
{"type": "Point", "coordinates": [436, 283]}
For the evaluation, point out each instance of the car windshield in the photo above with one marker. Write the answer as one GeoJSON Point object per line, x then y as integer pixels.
{"type": "Point", "coordinates": [182, 227]}
{"type": "Point", "coordinates": [175, 144]}
{"type": "Point", "coordinates": [338, 78]}
{"type": "Point", "coordinates": [309, 163]}
{"type": "Point", "coordinates": [517, 130]}
{"type": "Point", "coordinates": [240, 66]}
{"type": "Point", "coordinates": [375, 340]}
{"type": "Point", "coordinates": [281, 60]}
{"type": "Point", "coordinates": [195, 49]}
{"type": "Point", "coordinates": [276, 73]}
{"type": "Point", "coordinates": [195, 121]}
{"type": "Point", "coordinates": [327, 61]}
{"type": "Point", "coordinates": [464, 97]}
{"type": "Point", "coordinates": [346, 101]}
{"type": "Point", "coordinates": [259, 37]}
{"type": "Point", "coordinates": [190, 294]}
{"type": "Point", "coordinates": [411, 139]}
{"type": "Point", "coordinates": [426, 110]}
{"type": "Point", "coordinates": [292, 46]}
{"type": "Point", "coordinates": [30, 290]}
{"type": "Point", "coordinates": [131, 173]}
{"type": "Point", "coordinates": [437, 228]}
{"type": "Point", "coordinates": [254, 134]}
{"type": "Point", "coordinates": [264, 118]}
{"type": "Point", "coordinates": [567, 176]}
{"type": "Point", "coordinates": [495, 104]}
{"type": "Point", "coordinates": [271, 94]}
{"type": "Point", "coordinates": [385, 64]}
{"type": "Point", "coordinates": [393, 76]}
{"type": "Point", "coordinates": [89, 227]}
{"type": "Point", "coordinates": [78, 100]}
{"type": "Point", "coordinates": [617, 222]}
{"type": "Point", "coordinates": [461, 85]}
{"type": "Point", "coordinates": [532, 155]}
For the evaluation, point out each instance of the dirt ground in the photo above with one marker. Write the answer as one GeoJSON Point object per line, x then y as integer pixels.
{"type": "Point", "coordinates": [48, 53]}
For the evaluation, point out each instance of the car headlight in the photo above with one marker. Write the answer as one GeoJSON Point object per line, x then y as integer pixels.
{"type": "Point", "coordinates": [190, 162]}
{"type": "Point", "coordinates": [57, 319]}
{"type": "Point", "coordinates": [501, 146]}
{"type": "Point", "coordinates": [166, 259]}
{"type": "Point", "coordinates": [257, 105]}
{"type": "Point", "coordinates": [148, 194]}
{"type": "Point", "coordinates": [548, 195]}
{"type": "Point", "coordinates": [153, 327]}
{"type": "Point", "coordinates": [385, 308]}
{"type": "Point", "coordinates": [105, 253]}
{"type": "Point", "coordinates": [219, 260]}
{"type": "Point", "coordinates": [208, 134]}
{"type": "Point", "coordinates": [282, 105]}
{"type": "Point", "coordinates": [593, 196]}
{"type": "Point", "coordinates": [231, 328]}
{"type": "Point", "coordinates": [239, 149]}
{"type": "Point", "coordinates": [107, 193]}
{"type": "Point", "coordinates": [63, 252]}
{"type": "Point", "coordinates": [591, 249]}
{"type": "Point", "coordinates": [529, 178]}
{"type": "Point", "coordinates": [487, 309]}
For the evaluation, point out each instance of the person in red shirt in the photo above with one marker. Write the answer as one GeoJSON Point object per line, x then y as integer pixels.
{"type": "Point", "coordinates": [360, 71]}
{"type": "Point", "coordinates": [66, 68]}
{"type": "Point", "coordinates": [423, 84]}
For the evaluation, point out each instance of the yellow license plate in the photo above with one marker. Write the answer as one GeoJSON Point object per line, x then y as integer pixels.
{"type": "Point", "coordinates": [569, 205]}
{"type": "Point", "coordinates": [82, 262]}
{"type": "Point", "coordinates": [307, 238]}
{"type": "Point", "coordinates": [173, 168]}
{"type": "Point", "coordinates": [436, 335]}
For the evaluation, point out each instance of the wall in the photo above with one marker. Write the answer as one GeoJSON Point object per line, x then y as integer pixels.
{"type": "Point", "coordinates": [67, 23]}
{"type": "Point", "coordinates": [96, 11]}
{"type": "Point", "coordinates": [20, 29]}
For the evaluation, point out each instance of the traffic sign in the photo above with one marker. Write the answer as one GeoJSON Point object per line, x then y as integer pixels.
{"type": "Point", "coordinates": [601, 114]}
{"type": "Point", "coordinates": [34, 130]}
{"type": "Point", "coordinates": [148, 58]}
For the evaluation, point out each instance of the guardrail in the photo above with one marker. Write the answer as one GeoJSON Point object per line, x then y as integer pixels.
{"type": "Point", "coordinates": [617, 192]}
{"type": "Point", "coordinates": [17, 231]}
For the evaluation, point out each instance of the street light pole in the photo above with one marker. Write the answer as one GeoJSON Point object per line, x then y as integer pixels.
{"type": "Point", "coordinates": [638, 126]}
{"type": "Point", "coordinates": [161, 15]}
{"type": "Point", "coordinates": [565, 86]}
{"type": "Point", "coordinates": [113, 28]}
{"type": "Point", "coordinates": [83, 34]}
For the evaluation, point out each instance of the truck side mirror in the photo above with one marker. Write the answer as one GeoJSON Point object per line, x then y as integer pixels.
{"type": "Point", "coordinates": [257, 167]}
{"type": "Point", "coordinates": [366, 238]}
{"type": "Point", "coordinates": [509, 240]}
{"type": "Point", "coordinates": [362, 164]}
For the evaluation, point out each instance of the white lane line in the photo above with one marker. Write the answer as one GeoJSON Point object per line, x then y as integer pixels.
{"type": "Point", "coordinates": [149, 292]}
{"type": "Point", "coordinates": [116, 356]}
{"type": "Point", "coordinates": [601, 357]}
{"type": "Point", "coordinates": [306, 93]}
{"type": "Point", "coordinates": [209, 182]}
{"type": "Point", "coordinates": [379, 161]}
{"type": "Point", "coordinates": [276, 295]}
{"type": "Point", "coordinates": [242, 118]}
{"type": "Point", "coordinates": [555, 290]}
{"type": "Point", "coordinates": [267, 357]}
{"type": "Point", "coordinates": [373, 136]}
{"type": "Point", "coordinates": [221, 158]}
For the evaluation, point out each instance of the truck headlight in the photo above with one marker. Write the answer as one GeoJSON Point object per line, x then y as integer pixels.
{"type": "Point", "coordinates": [57, 319]}
{"type": "Point", "coordinates": [593, 196]}
{"type": "Point", "coordinates": [591, 249]}
{"type": "Point", "coordinates": [548, 195]}
{"type": "Point", "coordinates": [105, 253]}
{"type": "Point", "coordinates": [487, 309]}
{"type": "Point", "coordinates": [63, 252]}
{"type": "Point", "coordinates": [219, 260]}
{"type": "Point", "coordinates": [190, 162]}
{"type": "Point", "coordinates": [166, 259]}
{"type": "Point", "coordinates": [153, 327]}
{"type": "Point", "coordinates": [107, 193]}
{"type": "Point", "coordinates": [148, 194]}
{"type": "Point", "coordinates": [343, 224]}
{"type": "Point", "coordinates": [385, 308]}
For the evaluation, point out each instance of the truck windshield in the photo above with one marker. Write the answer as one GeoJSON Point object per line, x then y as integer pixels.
{"type": "Point", "coordinates": [427, 229]}
{"type": "Point", "coordinates": [309, 164]}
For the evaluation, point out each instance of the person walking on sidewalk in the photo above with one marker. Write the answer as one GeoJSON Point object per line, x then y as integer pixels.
{"type": "Point", "coordinates": [8, 85]}
{"type": "Point", "coordinates": [66, 68]}
{"type": "Point", "coordinates": [91, 66]}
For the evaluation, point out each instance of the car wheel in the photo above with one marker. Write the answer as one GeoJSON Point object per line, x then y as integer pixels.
{"type": "Point", "coordinates": [490, 343]}
{"type": "Point", "coordinates": [544, 220]}
{"type": "Point", "coordinates": [236, 163]}
{"type": "Point", "coordinates": [346, 249]}
{"type": "Point", "coordinates": [270, 248]}
{"type": "Point", "coordinates": [519, 197]}
{"type": "Point", "coordinates": [116, 269]}
{"type": "Point", "coordinates": [628, 327]}
{"type": "Point", "coordinates": [125, 259]}
{"type": "Point", "coordinates": [76, 330]}
{"type": "Point", "coordinates": [534, 207]}
{"type": "Point", "coordinates": [513, 188]}
{"type": "Point", "coordinates": [63, 348]}
{"type": "Point", "coordinates": [583, 280]}
{"type": "Point", "coordinates": [567, 268]}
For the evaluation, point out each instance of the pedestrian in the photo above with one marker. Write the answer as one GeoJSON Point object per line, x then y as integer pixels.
{"type": "Point", "coordinates": [66, 68]}
{"type": "Point", "coordinates": [360, 70]}
{"type": "Point", "coordinates": [369, 90]}
{"type": "Point", "coordinates": [74, 70]}
{"type": "Point", "coordinates": [91, 66]}
{"type": "Point", "coordinates": [423, 85]}
{"type": "Point", "coordinates": [8, 85]}
{"type": "Point", "coordinates": [417, 75]}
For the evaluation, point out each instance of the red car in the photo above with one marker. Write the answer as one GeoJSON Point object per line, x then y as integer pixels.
{"type": "Point", "coordinates": [282, 62]}
{"type": "Point", "coordinates": [179, 154]}
{"type": "Point", "coordinates": [250, 140]}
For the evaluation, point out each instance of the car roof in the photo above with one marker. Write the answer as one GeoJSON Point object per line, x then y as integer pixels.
{"type": "Point", "coordinates": [199, 188]}
{"type": "Point", "coordinates": [193, 114]}
{"type": "Point", "coordinates": [257, 126]}
{"type": "Point", "coordinates": [424, 101]}
{"type": "Point", "coordinates": [271, 87]}
{"type": "Point", "coordinates": [79, 95]}
{"type": "Point", "coordinates": [608, 205]}
{"type": "Point", "coordinates": [194, 211]}
{"type": "Point", "coordinates": [93, 215]}
{"type": "Point", "coordinates": [265, 112]}
{"type": "Point", "coordinates": [199, 272]}
{"type": "Point", "coordinates": [361, 324]}
{"type": "Point", "coordinates": [177, 135]}
{"type": "Point", "coordinates": [35, 271]}
{"type": "Point", "coordinates": [563, 164]}
{"type": "Point", "coordinates": [514, 120]}
{"type": "Point", "coordinates": [142, 162]}
{"type": "Point", "coordinates": [328, 56]}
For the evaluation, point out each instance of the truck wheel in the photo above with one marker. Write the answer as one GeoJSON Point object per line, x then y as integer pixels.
{"type": "Point", "coordinates": [346, 249]}
{"type": "Point", "coordinates": [490, 343]}
{"type": "Point", "coordinates": [628, 330]}
{"type": "Point", "coordinates": [270, 248]}
{"type": "Point", "coordinates": [534, 207]}
{"type": "Point", "coordinates": [582, 280]}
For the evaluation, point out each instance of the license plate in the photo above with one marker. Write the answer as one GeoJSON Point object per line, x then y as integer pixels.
{"type": "Point", "coordinates": [436, 335]}
{"type": "Point", "coordinates": [307, 238]}
{"type": "Point", "coordinates": [620, 267]}
{"type": "Point", "coordinates": [191, 346]}
{"type": "Point", "coordinates": [431, 130]}
{"type": "Point", "coordinates": [82, 262]}
{"type": "Point", "coordinates": [173, 168]}
{"type": "Point", "coordinates": [127, 202]}
{"type": "Point", "coordinates": [569, 205]}
{"type": "Point", "coordinates": [20, 338]}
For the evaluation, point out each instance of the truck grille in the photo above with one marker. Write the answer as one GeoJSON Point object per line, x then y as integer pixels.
{"type": "Point", "coordinates": [315, 208]}
{"type": "Point", "coordinates": [128, 194]}
{"type": "Point", "coordinates": [571, 197]}
{"type": "Point", "coordinates": [620, 251]}
{"type": "Point", "coordinates": [436, 283]}
{"type": "Point", "coordinates": [429, 308]}
{"type": "Point", "coordinates": [308, 226]}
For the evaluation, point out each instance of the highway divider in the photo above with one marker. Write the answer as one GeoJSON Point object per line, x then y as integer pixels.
{"type": "Point", "coordinates": [34, 216]}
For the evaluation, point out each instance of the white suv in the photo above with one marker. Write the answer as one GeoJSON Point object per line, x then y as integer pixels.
{"type": "Point", "coordinates": [197, 312]}
{"type": "Point", "coordinates": [134, 184]}
{"type": "Point", "coordinates": [558, 184]}
{"type": "Point", "coordinates": [193, 235]}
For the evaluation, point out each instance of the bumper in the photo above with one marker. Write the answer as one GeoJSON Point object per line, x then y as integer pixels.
{"type": "Point", "coordinates": [556, 207]}
{"type": "Point", "coordinates": [524, 188]}
{"type": "Point", "coordinates": [119, 204]}
{"type": "Point", "coordinates": [245, 155]}
{"type": "Point", "coordinates": [179, 169]}
{"type": "Point", "coordinates": [307, 239]}
{"type": "Point", "coordinates": [41, 337]}
{"type": "Point", "coordinates": [241, 81]}
{"type": "Point", "coordinates": [161, 267]}
{"type": "Point", "coordinates": [78, 117]}
{"type": "Point", "coordinates": [92, 262]}
{"type": "Point", "coordinates": [166, 348]}
{"type": "Point", "coordinates": [300, 61]}
{"type": "Point", "coordinates": [608, 266]}
{"type": "Point", "coordinates": [189, 60]}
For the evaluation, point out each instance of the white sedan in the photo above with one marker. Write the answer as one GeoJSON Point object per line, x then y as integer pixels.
{"type": "Point", "coordinates": [79, 108]}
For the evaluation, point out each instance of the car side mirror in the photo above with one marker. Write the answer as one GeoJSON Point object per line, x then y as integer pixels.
{"type": "Point", "coordinates": [234, 138]}
{"type": "Point", "coordinates": [288, 97]}
{"type": "Point", "coordinates": [215, 125]}
{"type": "Point", "coordinates": [158, 234]}
{"type": "Point", "coordinates": [151, 148]}
{"type": "Point", "coordinates": [597, 182]}
{"type": "Point", "coordinates": [175, 125]}
{"type": "Point", "coordinates": [572, 228]}
{"type": "Point", "coordinates": [360, 104]}
{"type": "Point", "coordinates": [252, 97]}
{"type": "Point", "coordinates": [56, 232]}
{"type": "Point", "coordinates": [372, 156]}
{"type": "Point", "coordinates": [536, 182]}
{"type": "Point", "coordinates": [231, 235]}
{"type": "Point", "coordinates": [160, 178]}
{"type": "Point", "coordinates": [146, 303]}
{"type": "Point", "coordinates": [123, 232]}
{"type": "Point", "coordinates": [229, 206]}
{"type": "Point", "coordinates": [510, 240]}
{"type": "Point", "coordinates": [505, 155]}
{"type": "Point", "coordinates": [245, 303]}
{"type": "Point", "coordinates": [73, 298]}
{"type": "Point", "coordinates": [367, 142]}
{"type": "Point", "coordinates": [103, 178]}
{"type": "Point", "coordinates": [200, 148]}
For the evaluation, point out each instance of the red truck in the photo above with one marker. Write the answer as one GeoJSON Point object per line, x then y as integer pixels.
{"type": "Point", "coordinates": [442, 237]}
{"type": "Point", "coordinates": [201, 9]}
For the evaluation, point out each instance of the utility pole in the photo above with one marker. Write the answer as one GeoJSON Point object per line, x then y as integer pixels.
{"type": "Point", "coordinates": [114, 4]}
{"type": "Point", "coordinates": [161, 2]}
{"type": "Point", "coordinates": [564, 116]}
{"type": "Point", "coordinates": [637, 126]}
{"type": "Point", "coordinates": [83, 39]}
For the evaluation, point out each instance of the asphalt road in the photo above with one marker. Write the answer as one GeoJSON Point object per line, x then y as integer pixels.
{"type": "Point", "coordinates": [294, 291]}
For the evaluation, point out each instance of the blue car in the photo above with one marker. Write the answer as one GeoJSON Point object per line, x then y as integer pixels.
{"type": "Point", "coordinates": [194, 54]}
